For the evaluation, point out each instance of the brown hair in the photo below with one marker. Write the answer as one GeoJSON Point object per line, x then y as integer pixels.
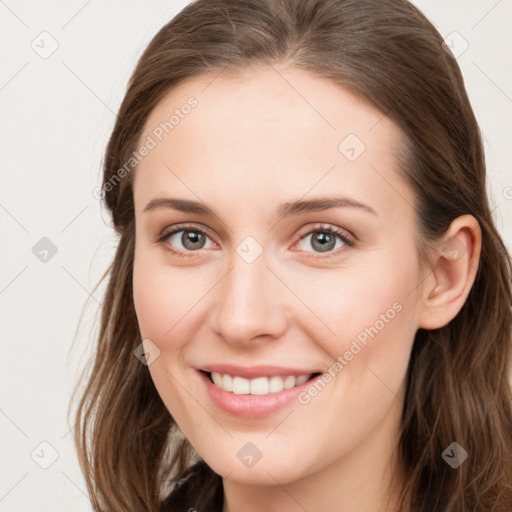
{"type": "Point", "coordinates": [388, 53]}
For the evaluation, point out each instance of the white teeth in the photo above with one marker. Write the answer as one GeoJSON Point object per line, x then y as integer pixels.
{"type": "Point", "coordinates": [260, 386]}
{"type": "Point", "coordinates": [241, 386]}
{"type": "Point", "coordinates": [289, 382]}
{"type": "Point", "coordinates": [275, 384]}
{"type": "Point", "coordinates": [227, 382]}
{"type": "Point", "coordinates": [300, 380]}
{"type": "Point", "coordinates": [257, 386]}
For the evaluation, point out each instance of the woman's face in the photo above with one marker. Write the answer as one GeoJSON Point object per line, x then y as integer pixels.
{"type": "Point", "coordinates": [254, 289]}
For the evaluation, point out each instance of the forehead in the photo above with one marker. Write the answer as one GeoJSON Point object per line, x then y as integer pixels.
{"type": "Point", "coordinates": [268, 130]}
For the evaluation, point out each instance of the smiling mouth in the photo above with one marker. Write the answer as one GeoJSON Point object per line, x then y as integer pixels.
{"type": "Point", "coordinates": [257, 386]}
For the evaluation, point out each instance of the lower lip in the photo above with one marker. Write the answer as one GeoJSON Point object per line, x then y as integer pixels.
{"type": "Point", "coordinates": [252, 406]}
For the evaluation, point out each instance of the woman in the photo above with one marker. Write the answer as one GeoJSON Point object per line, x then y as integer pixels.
{"type": "Point", "coordinates": [309, 307]}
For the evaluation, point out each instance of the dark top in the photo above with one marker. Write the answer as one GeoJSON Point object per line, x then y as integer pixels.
{"type": "Point", "coordinates": [198, 489]}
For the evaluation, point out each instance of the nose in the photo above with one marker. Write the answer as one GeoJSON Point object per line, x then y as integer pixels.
{"type": "Point", "coordinates": [250, 303]}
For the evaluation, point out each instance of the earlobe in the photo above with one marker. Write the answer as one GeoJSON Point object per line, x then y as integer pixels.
{"type": "Point", "coordinates": [455, 264]}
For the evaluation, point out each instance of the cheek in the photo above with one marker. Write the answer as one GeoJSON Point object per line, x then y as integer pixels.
{"type": "Point", "coordinates": [163, 297]}
{"type": "Point", "coordinates": [374, 321]}
{"type": "Point", "coordinates": [153, 303]}
{"type": "Point", "coordinates": [368, 316]}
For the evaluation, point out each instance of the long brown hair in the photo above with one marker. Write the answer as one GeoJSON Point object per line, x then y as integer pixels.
{"type": "Point", "coordinates": [389, 54]}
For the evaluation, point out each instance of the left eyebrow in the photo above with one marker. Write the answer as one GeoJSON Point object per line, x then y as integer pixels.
{"type": "Point", "coordinates": [320, 204]}
{"type": "Point", "coordinates": [286, 209]}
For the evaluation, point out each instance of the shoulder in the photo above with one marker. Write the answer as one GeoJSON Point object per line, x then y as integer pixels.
{"type": "Point", "coordinates": [198, 487]}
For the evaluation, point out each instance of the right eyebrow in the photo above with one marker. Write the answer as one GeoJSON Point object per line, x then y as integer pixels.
{"type": "Point", "coordinates": [182, 205]}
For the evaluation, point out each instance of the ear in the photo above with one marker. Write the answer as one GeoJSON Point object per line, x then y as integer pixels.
{"type": "Point", "coordinates": [455, 264]}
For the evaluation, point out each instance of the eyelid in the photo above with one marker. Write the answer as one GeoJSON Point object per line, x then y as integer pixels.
{"type": "Point", "coordinates": [345, 235]}
{"type": "Point", "coordinates": [347, 238]}
{"type": "Point", "coordinates": [176, 228]}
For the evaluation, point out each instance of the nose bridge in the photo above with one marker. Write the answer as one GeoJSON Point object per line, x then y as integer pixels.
{"type": "Point", "coordinates": [249, 303]}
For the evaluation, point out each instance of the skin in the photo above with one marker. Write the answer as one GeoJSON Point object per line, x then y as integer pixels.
{"type": "Point", "coordinates": [256, 140]}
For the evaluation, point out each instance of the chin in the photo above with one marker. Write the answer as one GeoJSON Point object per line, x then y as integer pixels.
{"type": "Point", "coordinates": [269, 471]}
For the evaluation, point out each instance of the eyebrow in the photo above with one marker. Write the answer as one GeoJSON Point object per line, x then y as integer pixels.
{"type": "Point", "coordinates": [294, 207]}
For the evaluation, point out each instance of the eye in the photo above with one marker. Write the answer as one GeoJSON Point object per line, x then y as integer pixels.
{"type": "Point", "coordinates": [323, 239]}
{"type": "Point", "coordinates": [326, 239]}
{"type": "Point", "coordinates": [189, 237]}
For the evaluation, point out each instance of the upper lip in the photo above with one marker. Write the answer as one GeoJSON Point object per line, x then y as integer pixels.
{"type": "Point", "coordinates": [252, 372]}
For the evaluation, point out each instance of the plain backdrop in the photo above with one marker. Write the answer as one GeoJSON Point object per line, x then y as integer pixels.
{"type": "Point", "coordinates": [65, 66]}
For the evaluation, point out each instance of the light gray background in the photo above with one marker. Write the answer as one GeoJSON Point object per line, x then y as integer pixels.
{"type": "Point", "coordinates": [57, 114]}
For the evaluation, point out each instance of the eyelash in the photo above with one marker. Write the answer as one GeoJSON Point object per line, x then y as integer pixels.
{"type": "Point", "coordinates": [344, 236]}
